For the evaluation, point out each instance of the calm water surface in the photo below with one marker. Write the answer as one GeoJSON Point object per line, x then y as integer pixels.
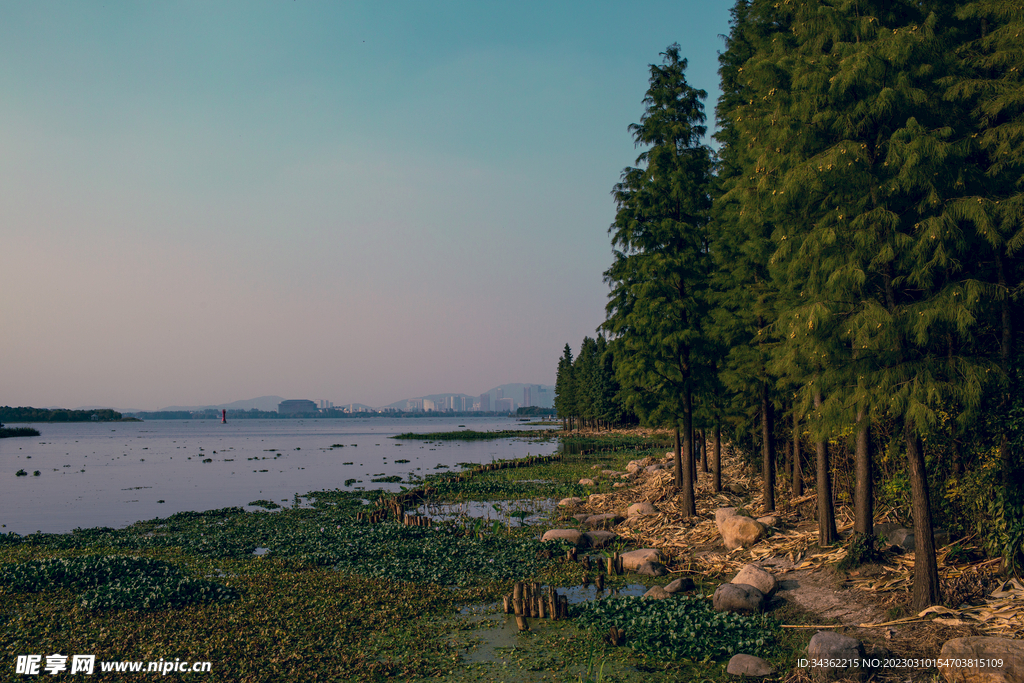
{"type": "Point", "coordinates": [113, 474]}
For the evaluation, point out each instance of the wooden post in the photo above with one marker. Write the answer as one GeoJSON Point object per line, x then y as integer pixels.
{"type": "Point", "coordinates": [507, 600]}
{"type": "Point", "coordinates": [552, 603]}
{"type": "Point", "coordinates": [600, 582]}
{"type": "Point", "coordinates": [611, 565]}
{"type": "Point", "coordinates": [522, 623]}
{"type": "Point", "coordinates": [563, 606]}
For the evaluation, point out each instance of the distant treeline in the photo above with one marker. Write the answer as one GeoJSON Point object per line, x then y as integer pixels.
{"type": "Point", "coordinates": [215, 414]}
{"type": "Point", "coordinates": [25, 414]}
{"type": "Point", "coordinates": [531, 411]}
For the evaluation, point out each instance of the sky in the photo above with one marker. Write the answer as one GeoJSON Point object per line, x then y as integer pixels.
{"type": "Point", "coordinates": [204, 202]}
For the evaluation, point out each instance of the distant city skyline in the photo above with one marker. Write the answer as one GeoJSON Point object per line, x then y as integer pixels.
{"type": "Point", "coordinates": [344, 201]}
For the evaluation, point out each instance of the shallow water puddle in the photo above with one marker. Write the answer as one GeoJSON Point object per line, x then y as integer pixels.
{"type": "Point", "coordinates": [511, 512]}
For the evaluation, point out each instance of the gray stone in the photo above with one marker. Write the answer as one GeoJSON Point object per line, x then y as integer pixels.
{"type": "Point", "coordinates": [827, 645]}
{"type": "Point", "coordinates": [586, 482]}
{"type": "Point", "coordinates": [738, 597]}
{"type": "Point", "coordinates": [582, 517]}
{"type": "Point", "coordinates": [573, 536]}
{"type": "Point", "coordinates": [651, 569]}
{"type": "Point", "coordinates": [736, 489]}
{"type": "Point", "coordinates": [904, 538]}
{"type": "Point", "coordinates": [605, 521]}
{"type": "Point", "coordinates": [657, 593]}
{"type": "Point", "coordinates": [634, 465]}
{"type": "Point", "coordinates": [619, 485]}
{"type": "Point", "coordinates": [632, 560]}
{"type": "Point", "coordinates": [680, 586]}
{"type": "Point", "coordinates": [650, 469]}
{"type": "Point", "coordinates": [769, 521]}
{"type": "Point", "coordinates": [641, 508]}
{"type": "Point", "coordinates": [569, 502]}
{"type": "Point", "coordinates": [749, 665]}
{"type": "Point", "coordinates": [752, 575]}
{"type": "Point", "coordinates": [599, 539]}
{"type": "Point", "coordinates": [983, 647]}
{"type": "Point", "coordinates": [885, 529]}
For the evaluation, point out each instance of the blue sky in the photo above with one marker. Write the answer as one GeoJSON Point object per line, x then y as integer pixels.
{"type": "Point", "coordinates": [359, 201]}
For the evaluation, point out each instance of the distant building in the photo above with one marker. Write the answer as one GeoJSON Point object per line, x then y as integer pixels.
{"type": "Point", "coordinates": [504, 405]}
{"type": "Point", "coordinates": [296, 406]}
{"type": "Point", "coordinates": [527, 397]}
{"type": "Point", "coordinates": [485, 402]}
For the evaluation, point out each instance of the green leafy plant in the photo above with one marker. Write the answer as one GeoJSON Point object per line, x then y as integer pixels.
{"type": "Point", "coordinates": [682, 627]}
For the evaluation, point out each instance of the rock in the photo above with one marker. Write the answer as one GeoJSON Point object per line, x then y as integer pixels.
{"type": "Point", "coordinates": [582, 517]}
{"type": "Point", "coordinates": [651, 469]}
{"type": "Point", "coordinates": [657, 593]}
{"type": "Point", "coordinates": [651, 569]}
{"type": "Point", "coordinates": [641, 508]}
{"type": "Point", "coordinates": [769, 521]}
{"type": "Point", "coordinates": [885, 529]}
{"type": "Point", "coordinates": [904, 538]}
{"type": "Point", "coordinates": [587, 482]}
{"type": "Point", "coordinates": [619, 485]}
{"type": "Point", "coordinates": [599, 539]}
{"type": "Point", "coordinates": [596, 498]}
{"type": "Point", "coordinates": [567, 535]}
{"type": "Point", "coordinates": [735, 488]}
{"type": "Point", "coordinates": [738, 531]}
{"type": "Point", "coordinates": [632, 560]}
{"type": "Point", "coordinates": [721, 514]}
{"type": "Point", "coordinates": [610, 473]}
{"type": "Point", "coordinates": [738, 597]}
{"type": "Point", "coordinates": [941, 537]}
{"type": "Point", "coordinates": [634, 465]}
{"type": "Point", "coordinates": [680, 586]}
{"type": "Point", "coordinates": [602, 521]}
{"type": "Point", "coordinates": [983, 647]}
{"type": "Point", "coordinates": [569, 502]}
{"type": "Point", "coordinates": [752, 575]}
{"type": "Point", "coordinates": [836, 647]}
{"type": "Point", "coordinates": [749, 665]}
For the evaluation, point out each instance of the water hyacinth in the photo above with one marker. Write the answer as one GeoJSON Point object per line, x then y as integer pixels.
{"type": "Point", "coordinates": [682, 627]}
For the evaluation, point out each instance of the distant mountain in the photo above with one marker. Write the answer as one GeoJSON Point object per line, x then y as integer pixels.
{"type": "Point", "coordinates": [268, 403]}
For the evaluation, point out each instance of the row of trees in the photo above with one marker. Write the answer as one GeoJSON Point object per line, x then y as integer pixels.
{"type": "Point", "coordinates": [847, 266]}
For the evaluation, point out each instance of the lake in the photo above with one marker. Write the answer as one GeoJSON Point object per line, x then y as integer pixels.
{"type": "Point", "coordinates": [116, 473]}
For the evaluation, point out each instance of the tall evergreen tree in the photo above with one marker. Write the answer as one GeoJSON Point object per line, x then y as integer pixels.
{"type": "Point", "coordinates": [565, 402]}
{"type": "Point", "coordinates": [659, 275]}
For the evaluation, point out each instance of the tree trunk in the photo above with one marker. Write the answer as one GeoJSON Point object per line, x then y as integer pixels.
{"type": "Point", "coordinates": [689, 504]}
{"type": "Point", "coordinates": [798, 470]}
{"type": "Point", "coordinates": [703, 453]}
{"type": "Point", "coordinates": [827, 534]}
{"type": "Point", "coordinates": [693, 456]}
{"type": "Point", "coordinates": [926, 571]}
{"type": "Point", "coordinates": [862, 496]}
{"type": "Point", "coordinates": [717, 464]}
{"type": "Point", "coordinates": [678, 461]}
{"type": "Point", "coordinates": [767, 451]}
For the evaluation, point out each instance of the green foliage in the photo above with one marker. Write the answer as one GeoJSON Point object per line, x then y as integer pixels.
{"type": "Point", "coordinates": [680, 627]}
{"type": "Point", "coordinates": [114, 582]}
{"type": "Point", "coordinates": [264, 503]}
{"type": "Point", "coordinates": [21, 473]}
{"type": "Point", "coordinates": [1004, 534]}
{"type": "Point", "coordinates": [6, 432]}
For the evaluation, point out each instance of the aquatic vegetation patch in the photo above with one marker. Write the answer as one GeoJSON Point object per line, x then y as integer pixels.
{"type": "Point", "coordinates": [266, 504]}
{"type": "Point", "coordinates": [680, 627]}
{"type": "Point", "coordinates": [6, 432]}
{"type": "Point", "coordinates": [114, 582]}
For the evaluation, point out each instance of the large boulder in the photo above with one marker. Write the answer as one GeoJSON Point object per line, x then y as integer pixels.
{"type": "Point", "coordinates": [721, 514]}
{"type": "Point", "coordinates": [904, 538]}
{"type": "Point", "coordinates": [599, 539]}
{"type": "Point", "coordinates": [970, 650]}
{"type": "Point", "coordinates": [605, 521]}
{"type": "Point", "coordinates": [573, 536]}
{"type": "Point", "coordinates": [739, 531]}
{"type": "Point", "coordinates": [632, 560]}
{"type": "Point", "coordinates": [828, 647]}
{"type": "Point", "coordinates": [657, 593]}
{"type": "Point", "coordinates": [749, 666]}
{"type": "Point", "coordinates": [738, 597]}
{"type": "Point", "coordinates": [641, 508]}
{"type": "Point", "coordinates": [752, 575]}
{"type": "Point", "coordinates": [680, 585]}
{"type": "Point", "coordinates": [651, 569]}
{"type": "Point", "coordinates": [634, 465]}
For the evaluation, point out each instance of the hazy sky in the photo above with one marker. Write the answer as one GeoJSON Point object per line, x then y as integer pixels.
{"type": "Point", "coordinates": [202, 202]}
